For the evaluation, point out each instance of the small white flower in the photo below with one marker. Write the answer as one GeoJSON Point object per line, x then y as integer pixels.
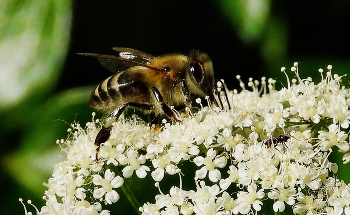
{"type": "Point", "coordinates": [204, 199]}
{"type": "Point", "coordinates": [295, 173]}
{"type": "Point", "coordinates": [246, 200]}
{"type": "Point", "coordinates": [135, 163]}
{"type": "Point", "coordinates": [334, 137]}
{"type": "Point", "coordinates": [210, 163]}
{"type": "Point", "coordinates": [158, 174]}
{"type": "Point", "coordinates": [283, 195]}
{"type": "Point", "coordinates": [107, 184]}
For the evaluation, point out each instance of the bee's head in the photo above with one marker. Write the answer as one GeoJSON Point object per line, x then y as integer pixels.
{"type": "Point", "coordinates": [201, 74]}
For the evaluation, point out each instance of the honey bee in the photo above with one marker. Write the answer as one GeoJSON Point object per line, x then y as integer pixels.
{"type": "Point", "coordinates": [162, 84]}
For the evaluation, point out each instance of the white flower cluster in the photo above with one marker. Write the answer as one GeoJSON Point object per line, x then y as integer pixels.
{"type": "Point", "coordinates": [268, 151]}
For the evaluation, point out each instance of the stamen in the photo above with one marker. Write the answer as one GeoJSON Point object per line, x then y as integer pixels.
{"type": "Point", "coordinates": [222, 92]}
{"type": "Point", "coordinates": [188, 110]}
{"type": "Point", "coordinates": [329, 67]}
{"type": "Point", "coordinates": [208, 101]}
{"type": "Point", "coordinates": [241, 84]}
{"type": "Point", "coordinates": [158, 186]}
{"type": "Point", "coordinates": [199, 101]}
{"type": "Point", "coordinates": [218, 98]}
{"type": "Point", "coordinates": [178, 115]}
{"type": "Point", "coordinates": [321, 72]}
{"type": "Point", "coordinates": [25, 208]}
{"type": "Point", "coordinates": [263, 86]}
{"type": "Point", "coordinates": [283, 69]}
{"type": "Point", "coordinates": [180, 180]}
{"type": "Point", "coordinates": [36, 209]}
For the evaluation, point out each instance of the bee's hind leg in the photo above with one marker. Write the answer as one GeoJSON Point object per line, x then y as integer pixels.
{"type": "Point", "coordinates": [105, 132]}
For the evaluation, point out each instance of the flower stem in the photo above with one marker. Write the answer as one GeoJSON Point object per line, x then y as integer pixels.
{"type": "Point", "coordinates": [128, 193]}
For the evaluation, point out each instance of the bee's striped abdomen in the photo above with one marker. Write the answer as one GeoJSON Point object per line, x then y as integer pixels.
{"type": "Point", "coordinates": [106, 95]}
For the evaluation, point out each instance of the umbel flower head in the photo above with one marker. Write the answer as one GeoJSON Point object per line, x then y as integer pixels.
{"type": "Point", "coordinates": [263, 150]}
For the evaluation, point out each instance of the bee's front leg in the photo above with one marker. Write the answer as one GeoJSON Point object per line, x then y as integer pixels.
{"type": "Point", "coordinates": [186, 93]}
{"type": "Point", "coordinates": [167, 110]}
{"type": "Point", "coordinates": [221, 93]}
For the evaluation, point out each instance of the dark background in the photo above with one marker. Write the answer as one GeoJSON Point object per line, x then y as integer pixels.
{"type": "Point", "coordinates": [317, 31]}
{"type": "Point", "coordinates": [313, 33]}
{"type": "Point", "coordinates": [155, 27]}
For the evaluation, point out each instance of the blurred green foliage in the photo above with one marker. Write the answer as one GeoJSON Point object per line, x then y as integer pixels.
{"type": "Point", "coordinates": [249, 18]}
{"type": "Point", "coordinates": [34, 39]}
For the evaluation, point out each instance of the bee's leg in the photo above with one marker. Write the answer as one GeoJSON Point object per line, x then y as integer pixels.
{"type": "Point", "coordinates": [105, 132]}
{"type": "Point", "coordinates": [221, 93]}
{"type": "Point", "coordinates": [167, 110]}
{"type": "Point", "coordinates": [187, 95]}
{"type": "Point", "coordinates": [186, 92]}
{"type": "Point", "coordinates": [155, 121]}
{"type": "Point", "coordinates": [102, 136]}
{"type": "Point", "coordinates": [152, 118]}
{"type": "Point", "coordinates": [214, 99]}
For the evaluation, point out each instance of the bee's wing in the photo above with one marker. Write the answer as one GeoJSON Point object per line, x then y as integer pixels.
{"type": "Point", "coordinates": [127, 57]}
{"type": "Point", "coordinates": [134, 55]}
{"type": "Point", "coordinates": [114, 63]}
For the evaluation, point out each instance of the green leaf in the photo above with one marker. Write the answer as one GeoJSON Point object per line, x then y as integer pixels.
{"type": "Point", "coordinates": [248, 17]}
{"type": "Point", "coordinates": [34, 38]}
{"type": "Point", "coordinates": [33, 162]}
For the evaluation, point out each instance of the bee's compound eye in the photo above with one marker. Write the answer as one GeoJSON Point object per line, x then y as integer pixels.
{"type": "Point", "coordinates": [197, 72]}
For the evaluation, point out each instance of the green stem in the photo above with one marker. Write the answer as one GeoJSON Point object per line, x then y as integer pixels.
{"type": "Point", "coordinates": [128, 193]}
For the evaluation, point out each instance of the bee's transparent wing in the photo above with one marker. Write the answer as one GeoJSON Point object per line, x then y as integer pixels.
{"type": "Point", "coordinates": [127, 57]}
{"type": "Point", "coordinates": [114, 63]}
{"type": "Point", "coordinates": [134, 55]}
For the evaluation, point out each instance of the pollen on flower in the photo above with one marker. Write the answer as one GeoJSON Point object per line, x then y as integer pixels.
{"type": "Point", "coordinates": [235, 152]}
